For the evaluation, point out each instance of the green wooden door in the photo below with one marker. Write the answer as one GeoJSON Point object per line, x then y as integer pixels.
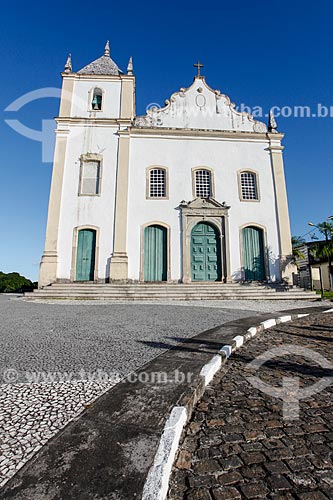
{"type": "Point", "coordinates": [85, 257]}
{"type": "Point", "coordinates": [155, 253]}
{"type": "Point", "coordinates": [253, 254]}
{"type": "Point", "coordinates": [205, 253]}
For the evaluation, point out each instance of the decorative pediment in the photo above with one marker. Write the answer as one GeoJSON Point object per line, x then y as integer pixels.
{"type": "Point", "coordinates": [200, 107]}
{"type": "Point", "coordinates": [204, 203]}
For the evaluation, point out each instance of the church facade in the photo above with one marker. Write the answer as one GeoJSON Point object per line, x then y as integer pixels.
{"type": "Point", "coordinates": [194, 191]}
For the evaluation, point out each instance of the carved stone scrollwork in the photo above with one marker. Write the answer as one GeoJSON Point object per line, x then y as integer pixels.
{"type": "Point", "coordinates": [259, 127]}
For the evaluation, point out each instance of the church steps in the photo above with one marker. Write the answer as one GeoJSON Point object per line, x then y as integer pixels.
{"type": "Point", "coordinates": [153, 292]}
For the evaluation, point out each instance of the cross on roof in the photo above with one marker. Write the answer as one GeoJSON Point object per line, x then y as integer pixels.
{"type": "Point", "coordinates": [199, 66]}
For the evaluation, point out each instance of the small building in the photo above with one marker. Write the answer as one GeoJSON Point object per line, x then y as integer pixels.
{"type": "Point", "coordinates": [313, 271]}
{"type": "Point", "coordinates": [192, 191]}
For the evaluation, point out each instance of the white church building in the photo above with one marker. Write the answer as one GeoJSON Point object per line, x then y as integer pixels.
{"type": "Point", "coordinates": [194, 191]}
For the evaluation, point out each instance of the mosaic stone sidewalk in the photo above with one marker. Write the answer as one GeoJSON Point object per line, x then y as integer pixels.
{"type": "Point", "coordinates": [30, 414]}
{"type": "Point", "coordinates": [238, 445]}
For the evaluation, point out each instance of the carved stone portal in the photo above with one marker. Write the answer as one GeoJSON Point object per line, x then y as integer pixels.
{"type": "Point", "coordinates": [210, 211]}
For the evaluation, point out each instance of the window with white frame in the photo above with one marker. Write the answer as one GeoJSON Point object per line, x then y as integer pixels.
{"type": "Point", "coordinates": [90, 177]}
{"type": "Point", "coordinates": [157, 183]}
{"type": "Point", "coordinates": [249, 189]}
{"type": "Point", "coordinates": [203, 184]}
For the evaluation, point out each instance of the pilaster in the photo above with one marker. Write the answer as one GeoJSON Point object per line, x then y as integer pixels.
{"type": "Point", "coordinates": [119, 259]}
{"type": "Point", "coordinates": [127, 103]}
{"type": "Point", "coordinates": [49, 261]}
{"type": "Point", "coordinates": [286, 265]}
{"type": "Point", "coordinates": [66, 95]}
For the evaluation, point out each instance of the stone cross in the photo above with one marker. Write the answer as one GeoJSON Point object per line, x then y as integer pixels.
{"type": "Point", "coordinates": [199, 66]}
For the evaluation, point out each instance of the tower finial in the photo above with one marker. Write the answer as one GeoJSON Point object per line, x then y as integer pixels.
{"type": "Point", "coordinates": [272, 125]}
{"type": "Point", "coordinates": [107, 49]}
{"type": "Point", "coordinates": [68, 65]}
{"type": "Point", "coordinates": [130, 66]}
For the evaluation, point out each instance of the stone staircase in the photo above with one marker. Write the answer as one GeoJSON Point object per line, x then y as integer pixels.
{"type": "Point", "coordinates": [168, 291]}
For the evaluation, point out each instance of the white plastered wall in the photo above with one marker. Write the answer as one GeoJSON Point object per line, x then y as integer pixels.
{"type": "Point", "coordinates": [225, 157]}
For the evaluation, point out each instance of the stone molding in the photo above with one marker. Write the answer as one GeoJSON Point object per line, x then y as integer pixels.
{"type": "Point", "coordinates": [215, 213]}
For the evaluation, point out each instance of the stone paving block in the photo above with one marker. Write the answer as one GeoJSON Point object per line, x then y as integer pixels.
{"type": "Point", "coordinates": [253, 471]}
{"type": "Point", "coordinates": [302, 480]}
{"type": "Point", "coordinates": [233, 462]}
{"type": "Point", "coordinates": [184, 460]}
{"type": "Point", "coordinates": [226, 494]}
{"type": "Point", "coordinates": [313, 495]}
{"type": "Point", "coordinates": [254, 490]}
{"type": "Point", "coordinates": [253, 446]}
{"type": "Point", "coordinates": [200, 494]}
{"type": "Point", "coordinates": [233, 438]}
{"type": "Point", "coordinates": [209, 466]}
{"type": "Point", "coordinates": [299, 464]}
{"type": "Point", "coordinates": [279, 483]}
{"type": "Point", "coordinates": [253, 458]}
{"type": "Point", "coordinates": [230, 478]}
{"type": "Point", "coordinates": [277, 467]}
{"type": "Point", "coordinates": [279, 453]}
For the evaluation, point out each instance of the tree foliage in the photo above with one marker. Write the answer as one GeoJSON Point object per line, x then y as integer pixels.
{"type": "Point", "coordinates": [15, 283]}
{"type": "Point", "coordinates": [297, 241]}
{"type": "Point", "coordinates": [324, 250]}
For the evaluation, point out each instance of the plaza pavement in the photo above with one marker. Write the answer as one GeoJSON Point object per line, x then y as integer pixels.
{"type": "Point", "coordinates": [239, 444]}
{"type": "Point", "coordinates": [79, 351]}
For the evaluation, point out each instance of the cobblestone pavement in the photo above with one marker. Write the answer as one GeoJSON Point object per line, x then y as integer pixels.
{"type": "Point", "coordinates": [238, 445]}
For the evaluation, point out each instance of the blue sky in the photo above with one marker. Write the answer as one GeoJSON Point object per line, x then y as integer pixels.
{"type": "Point", "coordinates": [258, 53]}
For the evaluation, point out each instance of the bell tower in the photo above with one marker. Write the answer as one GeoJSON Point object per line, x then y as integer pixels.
{"type": "Point", "coordinates": [97, 106]}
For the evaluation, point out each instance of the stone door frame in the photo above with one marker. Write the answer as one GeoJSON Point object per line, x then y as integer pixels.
{"type": "Point", "coordinates": [212, 212]}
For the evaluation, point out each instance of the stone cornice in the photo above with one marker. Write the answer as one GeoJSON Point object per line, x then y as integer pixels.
{"type": "Point", "coordinates": [93, 121]}
{"type": "Point", "coordinates": [278, 136]}
{"type": "Point", "coordinates": [111, 78]}
{"type": "Point", "coordinates": [195, 134]}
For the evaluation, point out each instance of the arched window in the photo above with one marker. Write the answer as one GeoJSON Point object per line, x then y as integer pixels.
{"type": "Point", "coordinates": [157, 183]}
{"type": "Point", "coordinates": [203, 184]}
{"type": "Point", "coordinates": [96, 103]}
{"type": "Point", "coordinates": [248, 185]}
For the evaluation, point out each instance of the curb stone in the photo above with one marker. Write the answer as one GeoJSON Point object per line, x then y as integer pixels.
{"type": "Point", "coordinates": [208, 372]}
{"type": "Point", "coordinates": [157, 483]}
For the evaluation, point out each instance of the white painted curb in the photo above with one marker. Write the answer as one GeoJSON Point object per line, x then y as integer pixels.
{"type": "Point", "coordinates": [329, 311]}
{"type": "Point", "coordinates": [252, 331]}
{"type": "Point", "coordinates": [227, 349]}
{"type": "Point", "coordinates": [211, 368]}
{"type": "Point", "coordinates": [269, 323]}
{"type": "Point", "coordinates": [302, 315]}
{"type": "Point", "coordinates": [157, 482]}
{"type": "Point", "coordinates": [284, 319]}
{"type": "Point", "coordinates": [239, 339]}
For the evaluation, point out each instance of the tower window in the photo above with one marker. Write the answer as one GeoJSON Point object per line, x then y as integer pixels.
{"type": "Point", "coordinates": [96, 103]}
{"type": "Point", "coordinates": [203, 184]}
{"type": "Point", "coordinates": [157, 183]}
{"type": "Point", "coordinates": [249, 189]}
{"type": "Point", "coordinates": [90, 177]}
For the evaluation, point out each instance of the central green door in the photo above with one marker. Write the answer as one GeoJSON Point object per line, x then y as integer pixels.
{"type": "Point", "coordinates": [85, 257]}
{"type": "Point", "coordinates": [205, 253]}
{"type": "Point", "coordinates": [155, 253]}
{"type": "Point", "coordinates": [253, 254]}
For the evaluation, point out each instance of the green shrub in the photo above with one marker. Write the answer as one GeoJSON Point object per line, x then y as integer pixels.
{"type": "Point", "coordinates": [14, 282]}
